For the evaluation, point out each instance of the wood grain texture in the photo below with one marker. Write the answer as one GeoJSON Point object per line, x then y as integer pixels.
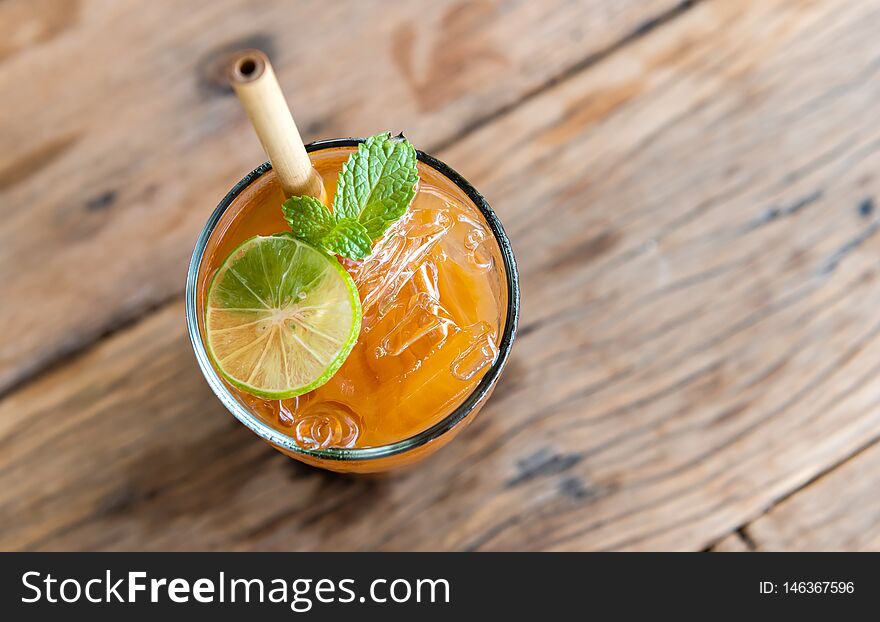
{"type": "Point", "coordinates": [838, 512]}
{"type": "Point", "coordinates": [734, 543]}
{"type": "Point", "coordinates": [119, 135]}
{"type": "Point", "coordinates": [694, 218]}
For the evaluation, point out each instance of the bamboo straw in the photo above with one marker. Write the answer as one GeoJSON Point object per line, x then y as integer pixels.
{"type": "Point", "coordinates": [253, 80]}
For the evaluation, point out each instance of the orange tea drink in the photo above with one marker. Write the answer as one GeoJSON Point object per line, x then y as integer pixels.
{"type": "Point", "coordinates": [395, 346]}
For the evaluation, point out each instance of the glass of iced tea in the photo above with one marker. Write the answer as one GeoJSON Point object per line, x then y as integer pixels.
{"type": "Point", "coordinates": [440, 300]}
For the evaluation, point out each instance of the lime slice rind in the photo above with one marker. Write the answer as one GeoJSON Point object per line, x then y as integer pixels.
{"type": "Point", "coordinates": [281, 317]}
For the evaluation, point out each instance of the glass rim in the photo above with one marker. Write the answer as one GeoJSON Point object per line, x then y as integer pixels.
{"type": "Point", "coordinates": [450, 421]}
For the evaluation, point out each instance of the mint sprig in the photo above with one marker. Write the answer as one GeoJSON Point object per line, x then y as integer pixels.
{"type": "Point", "coordinates": [311, 221]}
{"type": "Point", "coordinates": [374, 190]}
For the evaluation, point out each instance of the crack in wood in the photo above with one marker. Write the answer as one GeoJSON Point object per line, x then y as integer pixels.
{"type": "Point", "coordinates": [831, 264]}
{"type": "Point", "coordinates": [637, 33]}
{"type": "Point", "coordinates": [742, 531]}
{"type": "Point", "coordinates": [542, 463]}
{"type": "Point", "coordinates": [76, 347]}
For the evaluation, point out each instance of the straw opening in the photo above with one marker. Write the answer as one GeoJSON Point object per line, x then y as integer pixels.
{"type": "Point", "coordinates": [247, 67]}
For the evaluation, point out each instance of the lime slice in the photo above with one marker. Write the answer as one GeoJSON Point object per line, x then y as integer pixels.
{"type": "Point", "coordinates": [281, 317]}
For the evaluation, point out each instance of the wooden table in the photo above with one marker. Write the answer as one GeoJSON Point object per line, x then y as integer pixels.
{"type": "Point", "coordinates": [690, 190]}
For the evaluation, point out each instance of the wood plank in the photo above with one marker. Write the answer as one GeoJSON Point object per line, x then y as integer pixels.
{"type": "Point", "coordinates": [118, 137]}
{"type": "Point", "coordinates": [838, 512]}
{"type": "Point", "coordinates": [695, 223]}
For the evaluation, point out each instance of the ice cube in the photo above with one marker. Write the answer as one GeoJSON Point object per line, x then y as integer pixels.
{"type": "Point", "coordinates": [396, 259]}
{"type": "Point", "coordinates": [469, 244]}
{"type": "Point", "coordinates": [424, 316]}
{"type": "Point", "coordinates": [481, 352]}
{"type": "Point", "coordinates": [320, 425]}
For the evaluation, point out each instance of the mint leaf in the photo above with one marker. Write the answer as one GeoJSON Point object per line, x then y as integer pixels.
{"type": "Point", "coordinates": [377, 183]}
{"type": "Point", "coordinates": [349, 239]}
{"type": "Point", "coordinates": [309, 219]}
